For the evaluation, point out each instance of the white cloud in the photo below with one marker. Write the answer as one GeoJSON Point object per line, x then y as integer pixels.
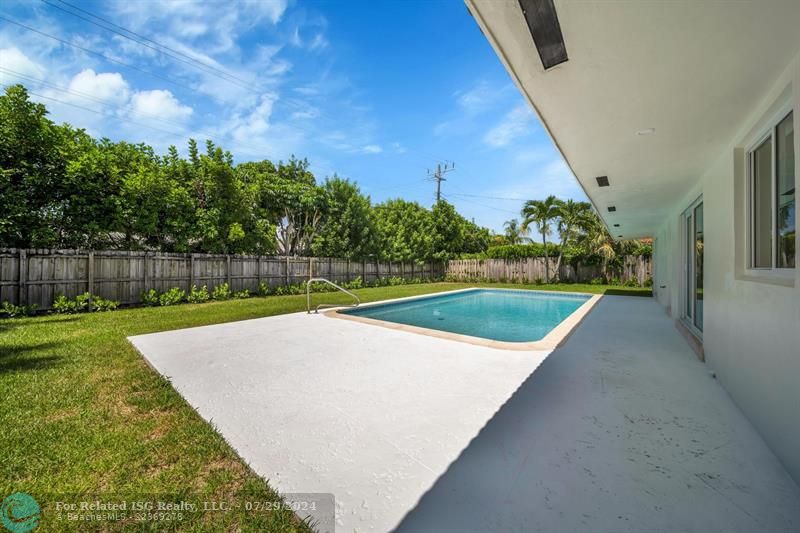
{"type": "Point", "coordinates": [110, 87]}
{"type": "Point", "coordinates": [247, 126]}
{"type": "Point", "coordinates": [13, 59]}
{"type": "Point", "coordinates": [160, 104]}
{"type": "Point", "coordinates": [515, 124]}
{"type": "Point", "coordinates": [540, 179]}
{"type": "Point", "coordinates": [398, 148]}
{"type": "Point", "coordinates": [306, 113]}
{"type": "Point", "coordinates": [371, 149]}
{"type": "Point", "coordinates": [220, 22]}
{"type": "Point", "coordinates": [477, 99]}
{"type": "Point", "coordinates": [318, 42]}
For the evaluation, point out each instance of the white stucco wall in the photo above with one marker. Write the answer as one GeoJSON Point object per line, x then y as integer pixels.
{"type": "Point", "coordinates": [751, 335]}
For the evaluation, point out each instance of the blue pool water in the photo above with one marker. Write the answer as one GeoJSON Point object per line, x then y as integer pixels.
{"type": "Point", "coordinates": [501, 315]}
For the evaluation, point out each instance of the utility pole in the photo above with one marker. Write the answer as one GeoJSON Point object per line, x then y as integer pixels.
{"type": "Point", "coordinates": [438, 176]}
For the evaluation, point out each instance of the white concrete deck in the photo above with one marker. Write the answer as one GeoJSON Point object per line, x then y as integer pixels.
{"type": "Point", "coordinates": [620, 429]}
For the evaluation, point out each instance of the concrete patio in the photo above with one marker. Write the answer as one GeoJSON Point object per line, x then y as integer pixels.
{"type": "Point", "coordinates": [620, 429]}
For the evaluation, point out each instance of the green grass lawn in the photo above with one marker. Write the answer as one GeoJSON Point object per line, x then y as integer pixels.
{"type": "Point", "coordinates": [83, 414]}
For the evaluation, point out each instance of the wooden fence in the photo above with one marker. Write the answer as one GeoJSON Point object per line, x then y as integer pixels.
{"type": "Point", "coordinates": [532, 269]}
{"type": "Point", "coordinates": [39, 276]}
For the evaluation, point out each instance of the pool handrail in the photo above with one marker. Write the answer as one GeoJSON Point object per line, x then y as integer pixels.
{"type": "Point", "coordinates": [332, 284]}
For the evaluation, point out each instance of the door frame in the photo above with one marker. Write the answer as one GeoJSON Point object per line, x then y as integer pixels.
{"type": "Point", "coordinates": [689, 268]}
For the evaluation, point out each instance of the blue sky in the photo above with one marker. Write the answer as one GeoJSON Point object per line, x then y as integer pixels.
{"type": "Point", "coordinates": [374, 91]}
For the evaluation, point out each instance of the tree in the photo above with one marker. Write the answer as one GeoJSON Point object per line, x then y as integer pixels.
{"type": "Point", "coordinates": [31, 170]}
{"type": "Point", "coordinates": [61, 187]}
{"type": "Point", "coordinates": [597, 240]}
{"type": "Point", "coordinates": [476, 238]}
{"type": "Point", "coordinates": [448, 230]}
{"type": "Point", "coordinates": [571, 215]}
{"type": "Point", "coordinates": [405, 231]}
{"type": "Point", "coordinates": [348, 229]}
{"type": "Point", "coordinates": [514, 232]}
{"type": "Point", "coordinates": [541, 213]}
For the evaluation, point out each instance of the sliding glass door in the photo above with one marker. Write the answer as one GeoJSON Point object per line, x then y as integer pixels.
{"type": "Point", "coordinates": [693, 243]}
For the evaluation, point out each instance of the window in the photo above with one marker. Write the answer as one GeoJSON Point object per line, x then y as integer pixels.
{"type": "Point", "coordinates": [773, 225]}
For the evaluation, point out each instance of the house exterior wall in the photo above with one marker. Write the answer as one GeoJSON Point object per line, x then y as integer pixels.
{"type": "Point", "coordinates": [751, 336]}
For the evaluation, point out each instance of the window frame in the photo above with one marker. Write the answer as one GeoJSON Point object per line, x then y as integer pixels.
{"type": "Point", "coordinates": [768, 132]}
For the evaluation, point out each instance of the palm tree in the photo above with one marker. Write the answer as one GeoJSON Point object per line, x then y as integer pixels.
{"type": "Point", "coordinates": [597, 240]}
{"type": "Point", "coordinates": [514, 233]}
{"type": "Point", "coordinates": [571, 215]}
{"type": "Point", "coordinates": [541, 213]}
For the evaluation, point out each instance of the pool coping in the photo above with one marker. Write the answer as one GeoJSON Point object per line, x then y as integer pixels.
{"type": "Point", "coordinates": [555, 338]}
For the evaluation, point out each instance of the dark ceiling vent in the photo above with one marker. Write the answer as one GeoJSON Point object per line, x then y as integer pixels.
{"type": "Point", "coordinates": [619, 236]}
{"type": "Point", "coordinates": [611, 209]}
{"type": "Point", "coordinates": [546, 31]}
{"type": "Point", "coordinates": [616, 225]}
{"type": "Point", "coordinates": [602, 181]}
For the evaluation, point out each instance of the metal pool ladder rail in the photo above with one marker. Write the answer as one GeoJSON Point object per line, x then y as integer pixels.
{"type": "Point", "coordinates": [332, 284]}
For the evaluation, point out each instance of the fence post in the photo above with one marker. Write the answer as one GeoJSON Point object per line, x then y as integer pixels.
{"type": "Point", "coordinates": [349, 277]}
{"type": "Point", "coordinates": [330, 269]}
{"type": "Point", "coordinates": [22, 290]}
{"type": "Point", "coordinates": [377, 270]}
{"type": "Point", "coordinates": [364, 271]}
{"type": "Point", "coordinates": [286, 275]}
{"type": "Point", "coordinates": [258, 272]}
{"type": "Point", "coordinates": [228, 271]}
{"type": "Point", "coordinates": [403, 270]}
{"type": "Point", "coordinates": [90, 275]}
{"type": "Point", "coordinates": [191, 271]}
{"type": "Point", "coordinates": [310, 267]}
{"type": "Point", "coordinates": [146, 275]}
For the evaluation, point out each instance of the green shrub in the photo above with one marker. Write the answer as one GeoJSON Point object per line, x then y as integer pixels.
{"type": "Point", "coordinates": [648, 282]}
{"type": "Point", "coordinates": [631, 282]}
{"type": "Point", "coordinates": [174, 296]}
{"type": "Point", "coordinates": [264, 289]}
{"type": "Point", "coordinates": [198, 296]}
{"type": "Point", "coordinates": [9, 310]}
{"type": "Point", "coordinates": [64, 305]}
{"type": "Point", "coordinates": [615, 281]}
{"type": "Point", "coordinates": [150, 298]}
{"type": "Point", "coordinates": [101, 304]}
{"type": "Point", "coordinates": [242, 294]}
{"type": "Point", "coordinates": [596, 281]}
{"type": "Point", "coordinates": [221, 292]}
{"type": "Point", "coordinates": [83, 303]}
{"type": "Point", "coordinates": [354, 284]}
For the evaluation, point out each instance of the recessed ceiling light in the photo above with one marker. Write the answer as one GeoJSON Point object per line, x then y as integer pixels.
{"type": "Point", "coordinates": [646, 131]}
{"type": "Point", "coordinates": [612, 208]}
{"type": "Point", "coordinates": [602, 181]}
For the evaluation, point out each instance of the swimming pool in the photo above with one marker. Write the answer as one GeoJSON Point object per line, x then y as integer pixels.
{"type": "Point", "coordinates": [499, 315]}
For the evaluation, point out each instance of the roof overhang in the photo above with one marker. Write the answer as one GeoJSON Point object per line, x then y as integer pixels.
{"type": "Point", "coordinates": [690, 71]}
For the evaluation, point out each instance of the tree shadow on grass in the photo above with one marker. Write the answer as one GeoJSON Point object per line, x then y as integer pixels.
{"type": "Point", "coordinates": [14, 358]}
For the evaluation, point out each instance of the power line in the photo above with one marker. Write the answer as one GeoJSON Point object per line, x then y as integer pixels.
{"type": "Point", "coordinates": [149, 40]}
{"type": "Point", "coordinates": [108, 105]}
{"type": "Point", "coordinates": [100, 113]}
{"type": "Point", "coordinates": [490, 197]}
{"type": "Point", "coordinates": [89, 51]}
{"type": "Point", "coordinates": [192, 62]}
{"type": "Point", "coordinates": [130, 66]}
{"type": "Point", "coordinates": [501, 210]}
